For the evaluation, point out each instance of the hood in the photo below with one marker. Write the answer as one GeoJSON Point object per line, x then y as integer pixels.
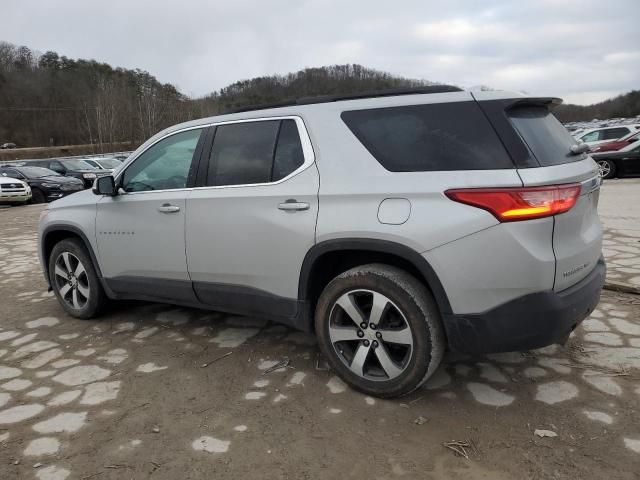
{"type": "Point", "coordinates": [57, 179]}
{"type": "Point", "coordinates": [5, 180]}
{"type": "Point", "coordinates": [83, 197]}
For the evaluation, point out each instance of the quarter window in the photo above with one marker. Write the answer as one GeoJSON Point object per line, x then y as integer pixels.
{"type": "Point", "coordinates": [165, 165]}
{"type": "Point", "coordinates": [254, 152]}
{"type": "Point", "coordinates": [434, 137]}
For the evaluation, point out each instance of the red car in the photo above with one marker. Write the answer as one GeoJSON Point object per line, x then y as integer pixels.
{"type": "Point", "coordinates": [617, 144]}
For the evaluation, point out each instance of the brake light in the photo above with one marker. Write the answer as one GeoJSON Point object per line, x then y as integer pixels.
{"type": "Point", "coordinates": [523, 203]}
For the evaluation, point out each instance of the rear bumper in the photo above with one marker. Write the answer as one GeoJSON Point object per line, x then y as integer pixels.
{"type": "Point", "coordinates": [532, 321]}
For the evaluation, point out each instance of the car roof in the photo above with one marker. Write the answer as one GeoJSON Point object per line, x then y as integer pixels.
{"type": "Point", "coordinates": [309, 105]}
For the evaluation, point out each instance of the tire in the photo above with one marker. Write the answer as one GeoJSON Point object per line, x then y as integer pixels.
{"type": "Point", "coordinates": [607, 168]}
{"type": "Point", "coordinates": [410, 318]}
{"type": "Point", "coordinates": [81, 294]}
{"type": "Point", "coordinates": [37, 196]}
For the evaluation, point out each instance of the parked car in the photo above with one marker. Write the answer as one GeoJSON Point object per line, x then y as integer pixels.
{"type": "Point", "coordinates": [14, 191]}
{"type": "Point", "coordinates": [70, 167]}
{"type": "Point", "coordinates": [617, 144]}
{"type": "Point", "coordinates": [598, 136]}
{"type": "Point", "coordinates": [624, 162]}
{"type": "Point", "coordinates": [394, 226]}
{"type": "Point", "coordinates": [8, 145]}
{"type": "Point", "coordinates": [104, 163]}
{"type": "Point", "coordinates": [46, 185]}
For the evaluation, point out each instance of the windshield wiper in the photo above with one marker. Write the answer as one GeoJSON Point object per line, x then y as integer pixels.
{"type": "Point", "coordinates": [580, 148]}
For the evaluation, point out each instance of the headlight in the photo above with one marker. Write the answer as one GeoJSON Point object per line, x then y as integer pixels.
{"type": "Point", "coordinates": [50, 185]}
{"type": "Point", "coordinates": [89, 175]}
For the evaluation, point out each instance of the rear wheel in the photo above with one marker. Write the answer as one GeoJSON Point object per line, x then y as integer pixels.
{"type": "Point", "coordinates": [607, 168]}
{"type": "Point", "coordinates": [74, 280]}
{"type": "Point", "coordinates": [37, 196]}
{"type": "Point", "coordinates": [380, 330]}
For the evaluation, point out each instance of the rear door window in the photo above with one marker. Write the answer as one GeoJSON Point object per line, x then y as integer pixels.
{"type": "Point", "coordinates": [614, 133]}
{"type": "Point", "coordinates": [256, 152]}
{"type": "Point", "coordinates": [432, 137]}
{"type": "Point", "coordinates": [545, 136]}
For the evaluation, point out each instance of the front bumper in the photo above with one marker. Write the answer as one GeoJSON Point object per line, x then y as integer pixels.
{"type": "Point", "coordinates": [532, 321]}
{"type": "Point", "coordinates": [15, 198]}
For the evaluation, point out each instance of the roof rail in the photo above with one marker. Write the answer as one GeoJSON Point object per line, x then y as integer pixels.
{"type": "Point", "coordinates": [352, 96]}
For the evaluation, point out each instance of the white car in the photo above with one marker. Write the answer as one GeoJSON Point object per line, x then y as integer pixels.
{"type": "Point", "coordinates": [13, 191]}
{"type": "Point", "coordinates": [597, 136]}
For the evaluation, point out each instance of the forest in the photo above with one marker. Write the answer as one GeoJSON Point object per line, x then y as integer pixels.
{"type": "Point", "coordinates": [49, 100]}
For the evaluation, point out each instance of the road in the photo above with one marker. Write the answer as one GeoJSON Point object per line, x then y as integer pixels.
{"type": "Point", "coordinates": [157, 391]}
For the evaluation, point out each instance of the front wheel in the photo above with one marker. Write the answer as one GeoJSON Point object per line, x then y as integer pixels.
{"type": "Point", "coordinates": [37, 196]}
{"type": "Point", "coordinates": [607, 168]}
{"type": "Point", "coordinates": [74, 279]}
{"type": "Point", "coordinates": [380, 330]}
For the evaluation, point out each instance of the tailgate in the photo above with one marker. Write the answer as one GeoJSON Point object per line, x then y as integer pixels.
{"type": "Point", "coordinates": [577, 234]}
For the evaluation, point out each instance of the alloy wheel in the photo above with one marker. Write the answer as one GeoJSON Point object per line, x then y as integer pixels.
{"type": "Point", "coordinates": [370, 335]}
{"type": "Point", "coordinates": [71, 280]}
{"type": "Point", "coordinates": [604, 167]}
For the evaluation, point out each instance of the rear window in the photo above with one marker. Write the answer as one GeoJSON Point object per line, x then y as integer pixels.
{"type": "Point", "coordinates": [545, 136]}
{"type": "Point", "coordinates": [434, 137]}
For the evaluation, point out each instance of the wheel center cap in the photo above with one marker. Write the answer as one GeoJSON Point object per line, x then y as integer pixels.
{"type": "Point", "coordinates": [74, 281]}
{"type": "Point", "coordinates": [369, 334]}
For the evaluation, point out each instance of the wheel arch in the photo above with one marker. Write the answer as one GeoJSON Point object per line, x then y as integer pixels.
{"type": "Point", "coordinates": [53, 234]}
{"type": "Point", "coordinates": [328, 259]}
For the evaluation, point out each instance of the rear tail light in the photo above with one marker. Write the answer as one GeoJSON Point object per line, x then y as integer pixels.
{"type": "Point", "coordinates": [525, 203]}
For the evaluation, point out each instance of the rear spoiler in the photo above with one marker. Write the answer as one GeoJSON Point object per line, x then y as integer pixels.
{"type": "Point", "coordinates": [549, 102]}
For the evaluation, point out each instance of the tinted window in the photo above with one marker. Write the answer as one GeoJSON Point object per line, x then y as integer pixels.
{"type": "Point", "coordinates": [448, 136]}
{"type": "Point", "coordinates": [614, 133]}
{"type": "Point", "coordinates": [12, 173]}
{"type": "Point", "coordinates": [163, 166]}
{"type": "Point", "coordinates": [242, 153]}
{"type": "Point", "coordinates": [289, 155]}
{"type": "Point", "coordinates": [545, 136]}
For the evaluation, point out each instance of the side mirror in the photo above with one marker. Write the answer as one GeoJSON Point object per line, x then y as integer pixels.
{"type": "Point", "coordinates": [105, 186]}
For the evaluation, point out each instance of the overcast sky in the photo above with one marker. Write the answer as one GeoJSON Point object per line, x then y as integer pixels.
{"type": "Point", "coordinates": [582, 50]}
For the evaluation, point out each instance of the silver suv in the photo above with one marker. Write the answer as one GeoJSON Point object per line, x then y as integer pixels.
{"type": "Point", "coordinates": [394, 226]}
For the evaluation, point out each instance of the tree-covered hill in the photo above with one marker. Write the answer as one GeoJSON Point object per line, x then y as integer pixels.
{"type": "Point", "coordinates": [48, 99]}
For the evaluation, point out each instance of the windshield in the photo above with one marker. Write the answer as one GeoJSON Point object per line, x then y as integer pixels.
{"type": "Point", "coordinates": [37, 172]}
{"type": "Point", "coordinates": [109, 162]}
{"type": "Point", "coordinates": [77, 165]}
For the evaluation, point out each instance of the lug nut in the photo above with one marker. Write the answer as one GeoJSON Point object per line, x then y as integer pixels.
{"type": "Point", "coordinates": [374, 344]}
{"type": "Point", "coordinates": [360, 333]}
{"type": "Point", "coordinates": [378, 335]}
{"type": "Point", "coordinates": [366, 343]}
{"type": "Point", "coordinates": [363, 325]}
{"type": "Point", "coordinates": [372, 326]}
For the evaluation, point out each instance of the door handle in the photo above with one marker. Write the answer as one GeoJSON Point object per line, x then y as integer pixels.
{"type": "Point", "coordinates": [293, 205]}
{"type": "Point", "coordinates": [168, 208]}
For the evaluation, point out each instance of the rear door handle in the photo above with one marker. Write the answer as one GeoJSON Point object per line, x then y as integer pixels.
{"type": "Point", "coordinates": [293, 205]}
{"type": "Point", "coordinates": [168, 208]}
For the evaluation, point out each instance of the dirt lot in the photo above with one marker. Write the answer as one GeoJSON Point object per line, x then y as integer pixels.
{"type": "Point", "coordinates": [154, 391]}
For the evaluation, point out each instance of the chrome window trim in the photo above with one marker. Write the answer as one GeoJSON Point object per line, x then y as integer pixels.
{"type": "Point", "coordinates": [303, 133]}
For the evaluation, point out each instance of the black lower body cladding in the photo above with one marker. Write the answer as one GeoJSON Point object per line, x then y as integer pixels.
{"type": "Point", "coordinates": [528, 322]}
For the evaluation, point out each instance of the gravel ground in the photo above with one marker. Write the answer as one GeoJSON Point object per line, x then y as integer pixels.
{"type": "Point", "coordinates": [157, 391]}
